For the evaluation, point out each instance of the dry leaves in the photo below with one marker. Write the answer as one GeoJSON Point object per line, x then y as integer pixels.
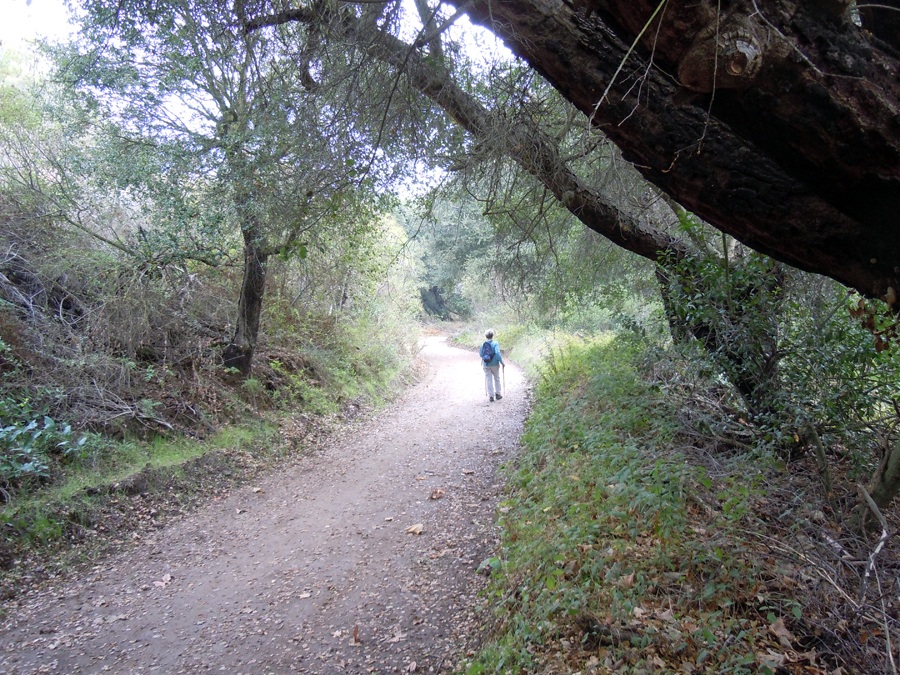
{"type": "Point", "coordinates": [626, 581]}
{"type": "Point", "coordinates": [785, 637]}
{"type": "Point", "coordinates": [164, 581]}
{"type": "Point", "coordinates": [418, 528]}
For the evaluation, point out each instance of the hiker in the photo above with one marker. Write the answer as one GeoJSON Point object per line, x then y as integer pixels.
{"type": "Point", "coordinates": [491, 360]}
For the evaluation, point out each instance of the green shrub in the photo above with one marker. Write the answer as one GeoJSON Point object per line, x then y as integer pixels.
{"type": "Point", "coordinates": [30, 442]}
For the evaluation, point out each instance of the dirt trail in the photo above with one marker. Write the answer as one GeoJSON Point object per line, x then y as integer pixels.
{"type": "Point", "coordinates": [309, 569]}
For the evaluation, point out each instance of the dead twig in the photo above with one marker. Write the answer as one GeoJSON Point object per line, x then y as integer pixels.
{"type": "Point", "coordinates": [882, 540]}
{"type": "Point", "coordinates": [824, 468]}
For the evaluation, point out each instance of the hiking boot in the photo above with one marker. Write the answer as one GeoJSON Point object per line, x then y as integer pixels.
{"type": "Point", "coordinates": [499, 397]}
{"type": "Point", "coordinates": [491, 399]}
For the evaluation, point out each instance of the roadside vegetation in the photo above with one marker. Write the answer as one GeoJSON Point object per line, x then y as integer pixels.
{"type": "Point", "coordinates": [691, 502]}
{"type": "Point", "coordinates": [216, 246]}
{"type": "Point", "coordinates": [630, 547]}
{"type": "Point", "coordinates": [118, 408]}
{"type": "Point", "coordinates": [125, 417]}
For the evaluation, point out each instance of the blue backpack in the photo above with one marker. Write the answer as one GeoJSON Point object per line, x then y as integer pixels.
{"type": "Point", "coordinates": [487, 351]}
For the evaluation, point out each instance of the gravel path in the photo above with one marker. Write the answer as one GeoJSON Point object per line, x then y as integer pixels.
{"type": "Point", "coordinates": [310, 569]}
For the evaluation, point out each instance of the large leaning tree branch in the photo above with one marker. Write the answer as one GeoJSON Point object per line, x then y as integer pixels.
{"type": "Point", "coordinates": [526, 143]}
{"type": "Point", "coordinates": [777, 122]}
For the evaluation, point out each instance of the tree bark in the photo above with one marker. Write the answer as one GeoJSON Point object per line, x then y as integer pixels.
{"type": "Point", "coordinates": [882, 18]}
{"type": "Point", "coordinates": [886, 482]}
{"type": "Point", "coordinates": [884, 486]}
{"type": "Point", "coordinates": [791, 146]}
{"type": "Point", "coordinates": [678, 327]}
{"type": "Point", "coordinates": [239, 352]}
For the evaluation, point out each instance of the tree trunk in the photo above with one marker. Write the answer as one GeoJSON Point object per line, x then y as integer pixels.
{"type": "Point", "coordinates": [785, 135]}
{"type": "Point", "coordinates": [885, 486]}
{"type": "Point", "coordinates": [735, 322]}
{"type": "Point", "coordinates": [239, 353]}
{"type": "Point", "coordinates": [678, 328]}
{"type": "Point", "coordinates": [886, 482]}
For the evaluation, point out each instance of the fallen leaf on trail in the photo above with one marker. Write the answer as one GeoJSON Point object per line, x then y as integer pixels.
{"type": "Point", "coordinates": [336, 634]}
{"type": "Point", "coordinates": [257, 490]}
{"type": "Point", "coordinates": [411, 668]}
{"type": "Point", "coordinates": [421, 478]}
{"type": "Point", "coordinates": [639, 612]}
{"type": "Point", "coordinates": [418, 528]}
{"type": "Point", "coordinates": [355, 639]}
{"type": "Point", "coordinates": [468, 472]}
{"type": "Point", "coordinates": [306, 594]}
{"type": "Point", "coordinates": [388, 519]}
{"type": "Point", "coordinates": [626, 581]}
{"type": "Point", "coordinates": [164, 581]}
{"type": "Point", "coordinates": [239, 510]}
{"type": "Point", "coordinates": [437, 493]}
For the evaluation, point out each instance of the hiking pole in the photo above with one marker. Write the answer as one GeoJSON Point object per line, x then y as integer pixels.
{"type": "Point", "coordinates": [504, 379]}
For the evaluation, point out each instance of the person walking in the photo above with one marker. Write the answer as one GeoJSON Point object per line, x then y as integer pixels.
{"type": "Point", "coordinates": [491, 360]}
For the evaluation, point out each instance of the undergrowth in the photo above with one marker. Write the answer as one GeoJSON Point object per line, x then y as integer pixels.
{"type": "Point", "coordinates": [139, 486]}
{"type": "Point", "coordinates": [619, 553]}
{"type": "Point", "coordinates": [99, 427]}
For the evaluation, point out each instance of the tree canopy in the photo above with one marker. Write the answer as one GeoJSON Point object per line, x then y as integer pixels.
{"type": "Point", "coordinates": [777, 122]}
